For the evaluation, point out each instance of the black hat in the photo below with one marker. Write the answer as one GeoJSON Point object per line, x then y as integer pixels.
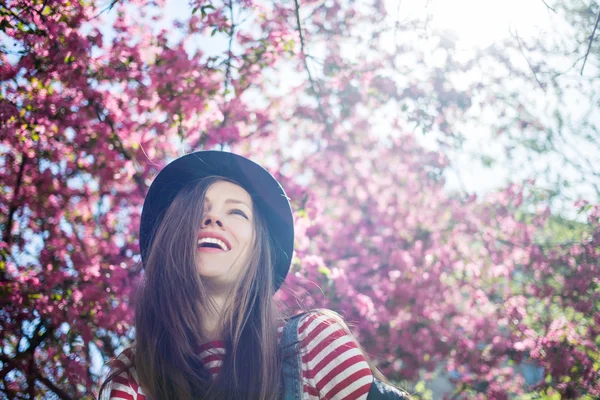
{"type": "Point", "coordinates": [264, 189]}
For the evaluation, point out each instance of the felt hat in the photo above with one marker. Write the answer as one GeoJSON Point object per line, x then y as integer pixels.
{"type": "Point", "coordinates": [264, 189]}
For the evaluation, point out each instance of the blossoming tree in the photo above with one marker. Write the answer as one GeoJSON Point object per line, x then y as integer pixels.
{"type": "Point", "coordinates": [430, 278]}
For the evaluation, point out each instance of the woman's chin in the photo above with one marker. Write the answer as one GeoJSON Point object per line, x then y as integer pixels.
{"type": "Point", "coordinates": [214, 272]}
{"type": "Point", "coordinates": [210, 272]}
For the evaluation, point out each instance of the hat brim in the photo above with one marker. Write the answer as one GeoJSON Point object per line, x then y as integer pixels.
{"type": "Point", "coordinates": [264, 189]}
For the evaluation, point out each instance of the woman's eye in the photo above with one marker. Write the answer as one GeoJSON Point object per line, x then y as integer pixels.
{"type": "Point", "coordinates": [238, 212]}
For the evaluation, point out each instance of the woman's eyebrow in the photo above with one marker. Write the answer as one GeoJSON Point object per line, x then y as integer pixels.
{"type": "Point", "coordinates": [230, 201]}
{"type": "Point", "coordinates": [234, 201]}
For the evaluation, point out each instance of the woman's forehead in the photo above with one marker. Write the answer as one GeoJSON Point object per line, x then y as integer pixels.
{"type": "Point", "coordinates": [223, 190]}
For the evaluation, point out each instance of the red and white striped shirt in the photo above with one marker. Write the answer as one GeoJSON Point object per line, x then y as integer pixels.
{"type": "Point", "coordinates": [332, 365]}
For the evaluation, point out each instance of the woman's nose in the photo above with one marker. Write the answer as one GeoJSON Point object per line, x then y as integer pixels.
{"type": "Point", "coordinates": [212, 219]}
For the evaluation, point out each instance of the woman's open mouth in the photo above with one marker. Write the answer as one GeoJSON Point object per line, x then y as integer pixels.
{"type": "Point", "coordinates": [211, 245]}
{"type": "Point", "coordinates": [210, 250]}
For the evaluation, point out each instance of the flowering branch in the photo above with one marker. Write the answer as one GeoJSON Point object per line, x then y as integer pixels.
{"type": "Point", "coordinates": [119, 145]}
{"type": "Point", "coordinates": [304, 59]}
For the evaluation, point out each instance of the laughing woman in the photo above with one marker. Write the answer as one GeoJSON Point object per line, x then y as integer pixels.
{"type": "Point", "coordinates": [216, 240]}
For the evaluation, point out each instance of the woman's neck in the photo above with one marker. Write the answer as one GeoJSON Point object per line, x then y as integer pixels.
{"type": "Point", "coordinates": [211, 331]}
{"type": "Point", "coordinates": [212, 328]}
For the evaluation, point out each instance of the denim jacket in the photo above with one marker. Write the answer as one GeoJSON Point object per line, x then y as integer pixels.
{"type": "Point", "coordinates": [292, 370]}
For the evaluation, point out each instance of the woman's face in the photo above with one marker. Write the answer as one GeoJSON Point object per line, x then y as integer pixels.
{"type": "Point", "coordinates": [226, 235]}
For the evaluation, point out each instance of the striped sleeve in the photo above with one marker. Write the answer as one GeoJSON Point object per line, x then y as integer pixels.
{"type": "Point", "coordinates": [124, 386]}
{"type": "Point", "coordinates": [333, 367]}
{"type": "Point", "coordinates": [212, 355]}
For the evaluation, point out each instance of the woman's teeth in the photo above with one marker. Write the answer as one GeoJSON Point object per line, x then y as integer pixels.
{"type": "Point", "coordinates": [218, 242]}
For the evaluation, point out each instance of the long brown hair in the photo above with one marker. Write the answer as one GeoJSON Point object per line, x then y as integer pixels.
{"type": "Point", "coordinates": [172, 301]}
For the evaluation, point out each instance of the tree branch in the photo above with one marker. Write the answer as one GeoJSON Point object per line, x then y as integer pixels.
{"type": "Point", "coordinates": [35, 340]}
{"type": "Point", "coordinates": [231, 32]}
{"type": "Point", "coordinates": [50, 385]}
{"type": "Point", "coordinates": [18, 17]}
{"type": "Point", "coordinates": [31, 379]}
{"type": "Point", "coordinates": [548, 6]}
{"type": "Point", "coordinates": [13, 207]}
{"type": "Point", "coordinates": [304, 58]}
{"type": "Point", "coordinates": [6, 235]}
{"type": "Point", "coordinates": [541, 85]}
{"type": "Point", "coordinates": [302, 47]}
{"type": "Point", "coordinates": [9, 367]}
{"type": "Point", "coordinates": [228, 69]}
{"type": "Point", "coordinates": [9, 393]}
{"type": "Point", "coordinates": [587, 53]}
{"type": "Point", "coordinates": [107, 8]}
{"type": "Point", "coordinates": [119, 145]}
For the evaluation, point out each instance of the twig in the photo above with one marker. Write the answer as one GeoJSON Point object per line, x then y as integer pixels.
{"type": "Point", "coordinates": [14, 363]}
{"type": "Point", "coordinates": [200, 141]}
{"type": "Point", "coordinates": [304, 58]}
{"type": "Point", "coordinates": [41, 10]}
{"type": "Point", "coordinates": [231, 32]}
{"type": "Point", "coordinates": [34, 342]}
{"type": "Point", "coordinates": [9, 393]}
{"type": "Point", "coordinates": [580, 156]}
{"type": "Point", "coordinates": [119, 145]}
{"type": "Point", "coordinates": [315, 59]}
{"type": "Point", "coordinates": [36, 339]}
{"type": "Point", "coordinates": [397, 27]}
{"type": "Point", "coordinates": [17, 16]}
{"type": "Point", "coordinates": [107, 8]}
{"type": "Point", "coordinates": [31, 379]}
{"type": "Point", "coordinates": [302, 47]}
{"type": "Point", "coordinates": [587, 53]}
{"type": "Point", "coordinates": [548, 6]}
{"type": "Point", "coordinates": [50, 385]}
{"type": "Point", "coordinates": [528, 62]}
{"type": "Point", "coordinates": [228, 70]}
{"type": "Point", "coordinates": [7, 368]}
{"type": "Point", "coordinates": [314, 10]}
{"type": "Point", "coordinates": [12, 208]}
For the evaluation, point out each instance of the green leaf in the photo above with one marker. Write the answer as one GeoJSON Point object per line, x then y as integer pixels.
{"type": "Point", "coordinates": [487, 161]}
{"type": "Point", "coordinates": [554, 396]}
{"type": "Point", "coordinates": [289, 46]}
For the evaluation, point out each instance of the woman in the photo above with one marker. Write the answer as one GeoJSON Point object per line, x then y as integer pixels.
{"type": "Point", "coordinates": [216, 240]}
